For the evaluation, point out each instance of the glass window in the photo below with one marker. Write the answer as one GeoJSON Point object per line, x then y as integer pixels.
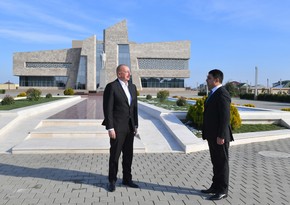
{"type": "Point", "coordinates": [124, 54]}
{"type": "Point", "coordinates": [162, 82]}
{"type": "Point", "coordinates": [48, 65]}
{"type": "Point", "coordinates": [82, 74]}
{"type": "Point", "coordinates": [99, 61]}
{"type": "Point", "coordinates": [163, 63]}
{"type": "Point", "coordinates": [43, 81]}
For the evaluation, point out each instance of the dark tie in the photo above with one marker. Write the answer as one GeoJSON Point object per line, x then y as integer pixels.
{"type": "Point", "coordinates": [210, 93]}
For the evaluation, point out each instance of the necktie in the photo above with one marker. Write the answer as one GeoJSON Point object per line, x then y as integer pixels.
{"type": "Point", "coordinates": [210, 93]}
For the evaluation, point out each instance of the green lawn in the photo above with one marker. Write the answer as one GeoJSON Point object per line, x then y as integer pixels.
{"type": "Point", "coordinates": [257, 127]}
{"type": "Point", "coordinates": [24, 103]}
{"type": "Point", "coordinates": [169, 105]}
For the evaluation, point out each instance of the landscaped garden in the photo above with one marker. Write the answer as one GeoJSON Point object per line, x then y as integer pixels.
{"type": "Point", "coordinates": [192, 110]}
{"type": "Point", "coordinates": [25, 102]}
{"type": "Point", "coordinates": [30, 97]}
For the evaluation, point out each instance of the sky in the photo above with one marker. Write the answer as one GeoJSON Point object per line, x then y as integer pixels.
{"type": "Point", "coordinates": [231, 35]}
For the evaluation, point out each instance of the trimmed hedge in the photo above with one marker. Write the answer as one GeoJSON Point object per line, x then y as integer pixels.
{"type": "Point", "coordinates": [286, 109]}
{"type": "Point", "coordinates": [249, 105]}
{"type": "Point", "coordinates": [274, 97]}
{"type": "Point", "coordinates": [22, 94]}
{"type": "Point", "coordinates": [267, 97]}
{"type": "Point", "coordinates": [247, 96]}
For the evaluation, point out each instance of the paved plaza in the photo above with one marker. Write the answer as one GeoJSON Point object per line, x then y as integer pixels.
{"type": "Point", "coordinates": [165, 178]}
{"type": "Point", "coordinates": [259, 174]}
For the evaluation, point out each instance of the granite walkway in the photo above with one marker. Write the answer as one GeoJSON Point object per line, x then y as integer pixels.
{"type": "Point", "coordinates": [259, 174]}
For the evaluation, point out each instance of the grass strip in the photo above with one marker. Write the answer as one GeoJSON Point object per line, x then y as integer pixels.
{"type": "Point", "coordinates": [25, 103]}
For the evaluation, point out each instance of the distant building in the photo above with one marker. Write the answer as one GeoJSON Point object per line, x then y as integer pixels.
{"type": "Point", "coordinates": [8, 86]}
{"type": "Point", "coordinates": [282, 84]}
{"type": "Point", "coordinates": [91, 63]}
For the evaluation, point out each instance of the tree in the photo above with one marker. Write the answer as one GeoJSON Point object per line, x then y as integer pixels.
{"type": "Point", "coordinates": [232, 89]}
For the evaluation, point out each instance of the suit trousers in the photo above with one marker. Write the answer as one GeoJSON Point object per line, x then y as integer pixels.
{"type": "Point", "coordinates": [123, 143]}
{"type": "Point", "coordinates": [220, 160]}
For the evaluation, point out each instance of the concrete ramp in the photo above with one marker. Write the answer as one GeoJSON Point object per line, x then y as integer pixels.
{"type": "Point", "coordinates": [69, 136]}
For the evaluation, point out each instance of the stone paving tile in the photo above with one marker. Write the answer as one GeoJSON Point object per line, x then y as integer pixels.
{"type": "Point", "coordinates": [165, 178]}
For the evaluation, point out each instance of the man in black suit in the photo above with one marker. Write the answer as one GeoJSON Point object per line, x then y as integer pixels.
{"type": "Point", "coordinates": [217, 131]}
{"type": "Point", "coordinates": [121, 121]}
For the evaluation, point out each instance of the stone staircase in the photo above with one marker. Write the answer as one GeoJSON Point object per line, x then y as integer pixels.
{"type": "Point", "coordinates": [69, 136]}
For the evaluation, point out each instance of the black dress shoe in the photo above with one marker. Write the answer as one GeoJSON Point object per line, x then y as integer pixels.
{"type": "Point", "coordinates": [208, 191]}
{"type": "Point", "coordinates": [218, 196]}
{"type": "Point", "coordinates": [131, 184]}
{"type": "Point", "coordinates": [112, 186]}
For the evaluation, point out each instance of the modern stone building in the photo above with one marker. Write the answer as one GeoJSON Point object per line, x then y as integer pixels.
{"type": "Point", "coordinates": [91, 64]}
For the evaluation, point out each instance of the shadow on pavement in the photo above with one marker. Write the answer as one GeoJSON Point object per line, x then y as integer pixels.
{"type": "Point", "coordinates": [80, 177]}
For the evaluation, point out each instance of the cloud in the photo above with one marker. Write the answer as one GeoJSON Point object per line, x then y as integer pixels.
{"type": "Point", "coordinates": [246, 12]}
{"type": "Point", "coordinates": [28, 36]}
{"type": "Point", "coordinates": [21, 11]}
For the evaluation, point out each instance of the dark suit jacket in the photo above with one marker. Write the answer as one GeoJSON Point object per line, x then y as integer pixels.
{"type": "Point", "coordinates": [117, 111]}
{"type": "Point", "coordinates": [216, 116]}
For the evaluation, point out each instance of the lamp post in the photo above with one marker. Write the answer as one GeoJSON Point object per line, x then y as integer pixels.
{"type": "Point", "coordinates": [256, 83]}
{"type": "Point", "coordinates": [268, 89]}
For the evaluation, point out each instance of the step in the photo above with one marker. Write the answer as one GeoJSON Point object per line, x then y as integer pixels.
{"type": "Point", "coordinates": [59, 144]}
{"type": "Point", "coordinates": [69, 136]}
{"type": "Point", "coordinates": [71, 122]}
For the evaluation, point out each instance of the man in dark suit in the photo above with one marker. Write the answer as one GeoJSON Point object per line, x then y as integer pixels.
{"type": "Point", "coordinates": [217, 131]}
{"type": "Point", "coordinates": [121, 121]}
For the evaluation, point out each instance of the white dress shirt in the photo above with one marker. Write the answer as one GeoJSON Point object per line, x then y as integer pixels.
{"type": "Point", "coordinates": [126, 90]}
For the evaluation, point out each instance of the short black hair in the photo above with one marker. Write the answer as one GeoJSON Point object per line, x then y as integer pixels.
{"type": "Point", "coordinates": [216, 73]}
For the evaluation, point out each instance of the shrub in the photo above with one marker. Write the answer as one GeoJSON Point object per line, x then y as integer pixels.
{"type": "Point", "coordinates": [181, 101]}
{"type": "Point", "coordinates": [148, 97]}
{"type": "Point", "coordinates": [68, 91]}
{"type": "Point", "coordinates": [33, 94]}
{"type": "Point", "coordinates": [48, 95]}
{"type": "Point", "coordinates": [248, 96]}
{"type": "Point", "coordinates": [249, 105]}
{"type": "Point", "coordinates": [2, 91]}
{"type": "Point", "coordinates": [232, 89]}
{"type": "Point", "coordinates": [235, 119]}
{"type": "Point", "coordinates": [162, 95]}
{"type": "Point", "coordinates": [274, 97]}
{"type": "Point", "coordinates": [193, 99]}
{"type": "Point", "coordinates": [201, 93]}
{"type": "Point", "coordinates": [285, 109]}
{"type": "Point", "coordinates": [7, 100]}
{"type": "Point", "coordinates": [195, 114]}
{"type": "Point", "coordinates": [22, 94]}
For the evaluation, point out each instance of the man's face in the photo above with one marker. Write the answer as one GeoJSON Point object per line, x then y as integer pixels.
{"type": "Point", "coordinates": [211, 81]}
{"type": "Point", "coordinates": [124, 74]}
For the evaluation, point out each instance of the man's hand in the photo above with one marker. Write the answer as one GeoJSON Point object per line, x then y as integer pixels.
{"type": "Point", "coordinates": [220, 141]}
{"type": "Point", "coordinates": [112, 134]}
{"type": "Point", "coordinates": [135, 132]}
